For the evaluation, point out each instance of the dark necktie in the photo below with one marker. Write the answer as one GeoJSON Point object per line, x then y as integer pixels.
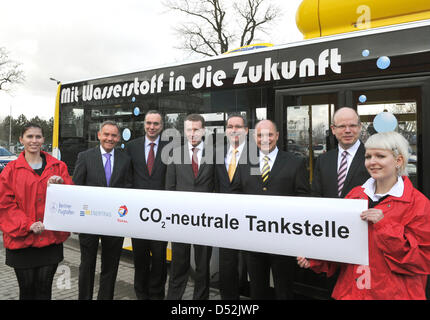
{"type": "Point", "coordinates": [195, 162]}
{"type": "Point", "coordinates": [108, 168]}
{"type": "Point", "coordinates": [151, 158]}
{"type": "Point", "coordinates": [341, 174]}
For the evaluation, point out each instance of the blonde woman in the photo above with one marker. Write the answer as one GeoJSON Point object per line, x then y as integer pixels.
{"type": "Point", "coordinates": [399, 229]}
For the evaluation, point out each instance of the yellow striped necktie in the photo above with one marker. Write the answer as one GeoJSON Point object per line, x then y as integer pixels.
{"type": "Point", "coordinates": [266, 169]}
{"type": "Point", "coordinates": [232, 166]}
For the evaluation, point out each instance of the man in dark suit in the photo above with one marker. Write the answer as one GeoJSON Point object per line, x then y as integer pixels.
{"type": "Point", "coordinates": [102, 166]}
{"type": "Point", "coordinates": [149, 172]}
{"type": "Point", "coordinates": [346, 127]}
{"type": "Point", "coordinates": [339, 170]}
{"type": "Point", "coordinates": [275, 173]}
{"type": "Point", "coordinates": [193, 172]}
{"type": "Point", "coordinates": [233, 153]}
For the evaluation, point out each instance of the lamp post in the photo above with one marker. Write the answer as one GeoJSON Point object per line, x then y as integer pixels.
{"type": "Point", "coordinates": [57, 81]}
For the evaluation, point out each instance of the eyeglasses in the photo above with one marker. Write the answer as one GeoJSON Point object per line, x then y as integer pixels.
{"type": "Point", "coordinates": [343, 127]}
{"type": "Point", "coordinates": [235, 127]}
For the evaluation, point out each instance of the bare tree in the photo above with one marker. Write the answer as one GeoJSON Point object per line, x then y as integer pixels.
{"type": "Point", "coordinates": [213, 26]}
{"type": "Point", "coordinates": [10, 72]}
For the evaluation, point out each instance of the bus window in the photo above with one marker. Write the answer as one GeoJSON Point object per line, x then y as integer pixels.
{"type": "Point", "coordinates": [403, 104]}
{"type": "Point", "coordinates": [307, 120]}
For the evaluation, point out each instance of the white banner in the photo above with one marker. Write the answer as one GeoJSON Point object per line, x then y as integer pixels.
{"type": "Point", "coordinates": [327, 229]}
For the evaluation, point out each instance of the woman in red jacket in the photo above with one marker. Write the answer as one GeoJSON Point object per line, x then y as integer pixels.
{"type": "Point", "coordinates": [399, 229]}
{"type": "Point", "coordinates": [31, 250]}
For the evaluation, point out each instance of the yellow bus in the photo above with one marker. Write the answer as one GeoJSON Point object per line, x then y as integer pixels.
{"type": "Point", "coordinates": [371, 55]}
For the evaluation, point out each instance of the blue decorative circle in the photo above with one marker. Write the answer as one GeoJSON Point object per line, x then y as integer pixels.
{"type": "Point", "coordinates": [136, 111]}
{"type": "Point", "coordinates": [133, 99]}
{"type": "Point", "coordinates": [365, 53]}
{"type": "Point", "coordinates": [383, 62]}
{"type": "Point", "coordinates": [122, 146]}
{"type": "Point", "coordinates": [126, 134]}
{"type": "Point", "coordinates": [362, 98]}
{"type": "Point", "coordinates": [385, 122]}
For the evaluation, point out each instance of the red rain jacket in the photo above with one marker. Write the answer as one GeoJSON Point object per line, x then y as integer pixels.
{"type": "Point", "coordinates": [22, 202]}
{"type": "Point", "coordinates": [399, 252]}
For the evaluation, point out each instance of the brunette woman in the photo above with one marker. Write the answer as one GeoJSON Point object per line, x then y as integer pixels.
{"type": "Point", "coordinates": [31, 250]}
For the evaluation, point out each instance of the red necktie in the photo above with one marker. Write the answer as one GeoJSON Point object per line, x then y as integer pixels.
{"type": "Point", "coordinates": [195, 162]}
{"type": "Point", "coordinates": [151, 158]}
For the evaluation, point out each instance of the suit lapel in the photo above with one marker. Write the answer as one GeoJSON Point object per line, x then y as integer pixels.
{"type": "Point", "coordinates": [332, 170]}
{"type": "Point", "coordinates": [157, 161]}
{"type": "Point", "coordinates": [99, 164]}
{"type": "Point", "coordinates": [187, 160]}
{"type": "Point", "coordinates": [277, 165]}
{"type": "Point", "coordinates": [117, 163]}
{"type": "Point", "coordinates": [203, 162]}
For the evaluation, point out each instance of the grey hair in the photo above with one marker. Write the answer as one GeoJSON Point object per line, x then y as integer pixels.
{"type": "Point", "coordinates": [110, 123]}
{"type": "Point", "coordinates": [393, 142]}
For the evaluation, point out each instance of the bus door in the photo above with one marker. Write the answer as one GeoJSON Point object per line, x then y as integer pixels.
{"type": "Point", "coordinates": [400, 107]}
{"type": "Point", "coordinates": [304, 117]}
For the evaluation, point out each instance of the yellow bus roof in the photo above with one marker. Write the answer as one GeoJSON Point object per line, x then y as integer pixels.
{"type": "Point", "coordinates": [316, 18]}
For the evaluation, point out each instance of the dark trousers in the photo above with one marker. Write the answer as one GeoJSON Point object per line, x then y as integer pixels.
{"type": "Point", "coordinates": [259, 266]}
{"type": "Point", "coordinates": [111, 252]}
{"type": "Point", "coordinates": [180, 268]}
{"type": "Point", "coordinates": [150, 269]}
{"type": "Point", "coordinates": [229, 282]}
{"type": "Point", "coordinates": [36, 283]}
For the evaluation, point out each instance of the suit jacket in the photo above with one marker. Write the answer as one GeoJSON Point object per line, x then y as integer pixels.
{"type": "Point", "coordinates": [89, 169]}
{"type": "Point", "coordinates": [324, 183]}
{"type": "Point", "coordinates": [141, 178]}
{"type": "Point", "coordinates": [287, 177]}
{"type": "Point", "coordinates": [180, 175]}
{"type": "Point", "coordinates": [222, 181]}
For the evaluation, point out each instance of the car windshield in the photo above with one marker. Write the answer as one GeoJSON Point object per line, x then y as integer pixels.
{"type": "Point", "coordinates": [5, 153]}
{"type": "Point", "coordinates": [319, 147]}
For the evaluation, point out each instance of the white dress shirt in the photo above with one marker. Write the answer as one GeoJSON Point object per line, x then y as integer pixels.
{"type": "Point", "coordinates": [350, 156]}
{"type": "Point", "coordinates": [105, 159]}
{"type": "Point", "coordinates": [229, 155]}
{"type": "Point", "coordinates": [272, 157]}
{"type": "Point", "coordinates": [199, 152]}
{"type": "Point", "coordinates": [148, 147]}
{"type": "Point", "coordinates": [396, 191]}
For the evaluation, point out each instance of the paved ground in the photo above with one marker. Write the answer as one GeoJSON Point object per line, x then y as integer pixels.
{"type": "Point", "coordinates": [65, 285]}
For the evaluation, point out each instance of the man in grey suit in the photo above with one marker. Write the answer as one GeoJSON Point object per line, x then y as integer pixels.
{"type": "Point", "coordinates": [102, 166]}
{"type": "Point", "coordinates": [149, 172]}
{"type": "Point", "coordinates": [193, 172]}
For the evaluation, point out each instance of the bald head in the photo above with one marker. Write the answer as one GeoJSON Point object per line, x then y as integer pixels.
{"type": "Point", "coordinates": [266, 136]}
{"type": "Point", "coordinates": [346, 126]}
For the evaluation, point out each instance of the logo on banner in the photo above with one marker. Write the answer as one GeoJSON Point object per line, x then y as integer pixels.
{"type": "Point", "coordinates": [122, 211]}
{"type": "Point", "coordinates": [96, 213]}
{"type": "Point", "coordinates": [61, 208]}
{"type": "Point", "coordinates": [53, 207]}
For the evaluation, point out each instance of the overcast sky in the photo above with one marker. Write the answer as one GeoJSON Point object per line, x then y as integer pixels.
{"type": "Point", "coordinates": [81, 39]}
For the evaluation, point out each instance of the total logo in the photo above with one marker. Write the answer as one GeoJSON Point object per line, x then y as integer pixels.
{"type": "Point", "coordinates": [122, 211]}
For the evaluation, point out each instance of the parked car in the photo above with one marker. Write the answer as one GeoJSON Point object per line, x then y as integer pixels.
{"type": "Point", "coordinates": [319, 149]}
{"type": "Point", "coordinates": [5, 157]}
